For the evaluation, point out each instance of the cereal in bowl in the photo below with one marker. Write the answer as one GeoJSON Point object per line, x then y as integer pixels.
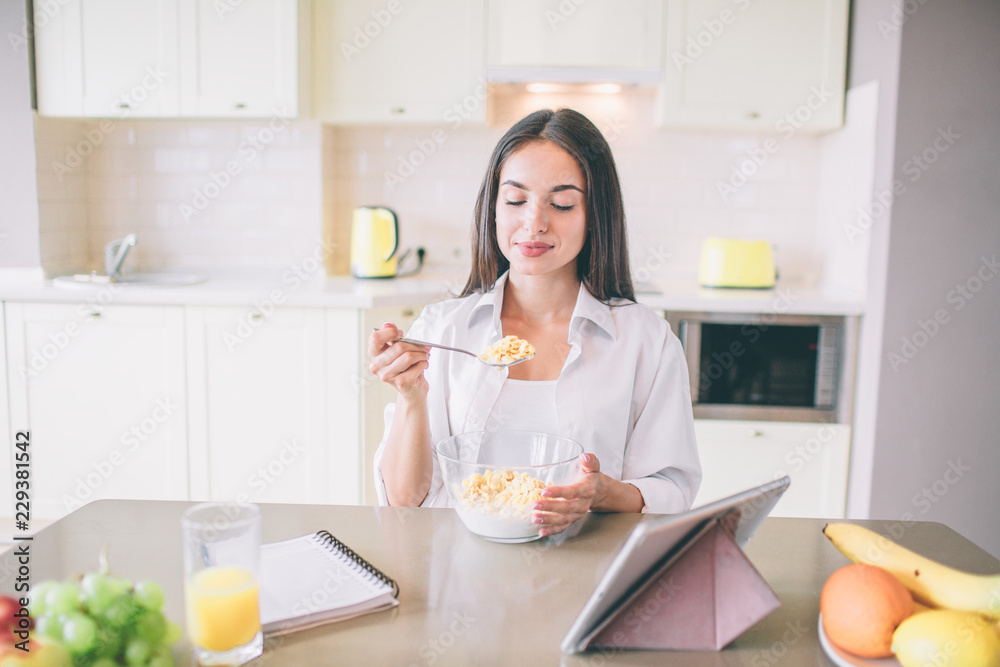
{"type": "Point", "coordinates": [501, 492]}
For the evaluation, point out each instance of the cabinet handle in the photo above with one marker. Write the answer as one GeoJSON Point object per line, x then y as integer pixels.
{"type": "Point", "coordinates": [754, 433]}
{"type": "Point", "coordinates": [94, 313]}
{"type": "Point", "coordinates": [256, 317]}
{"type": "Point", "coordinates": [752, 115]}
{"type": "Point", "coordinates": [239, 105]}
{"type": "Point", "coordinates": [123, 105]}
{"type": "Point", "coordinates": [397, 111]}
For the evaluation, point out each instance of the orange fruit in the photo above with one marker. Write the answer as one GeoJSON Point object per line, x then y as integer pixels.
{"type": "Point", "coordinates": [861, 606]}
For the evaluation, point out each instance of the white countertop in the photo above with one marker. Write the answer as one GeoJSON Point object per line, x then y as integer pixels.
{"type": "Point", "coordinates": [785, 298]}
{"type": "Point", "coordinates": [321, 291]}
{"type": "Point", "coordinates": [316, 291]}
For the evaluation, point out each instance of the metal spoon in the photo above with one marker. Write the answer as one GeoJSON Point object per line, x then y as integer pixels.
{"type": "Point", "coordinates": [458, 349]}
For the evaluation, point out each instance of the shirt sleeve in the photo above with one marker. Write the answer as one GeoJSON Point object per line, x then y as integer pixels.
{"type": "Point", "coordinates": [383, 498]}
{"type": "Point", "coordinates": [420, 330]}
{"type": "Point", "coordinates": [661, 456]}
{"type": "Point", "coordinates": [434, 498]}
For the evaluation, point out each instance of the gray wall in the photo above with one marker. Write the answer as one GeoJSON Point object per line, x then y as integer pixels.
{"type": "Point", "coordinates": [937, 433]}
{"type": "Point", "coordinates": [19, 239]}
{"type": "Point", "coordinates": [874, 56]}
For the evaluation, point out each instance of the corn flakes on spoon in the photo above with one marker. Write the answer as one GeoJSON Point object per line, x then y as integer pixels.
{"type": "Point", "coordinates": [506, 352]}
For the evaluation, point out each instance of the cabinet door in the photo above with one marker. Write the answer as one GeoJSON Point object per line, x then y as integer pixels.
{"type": "Point", "coordinates": [556, 34]}
{"type": "Point", "coordinates": [378, 61]}
{"type": "Point", "coordinates": [346, 343]}
{"type": "Point", "coordinates": [375, 393]}
{"type": "Point", "coordinates": [107, 58]}
{"type": "Point", "coordinates": [736, 455]}
{"type": "Point", "coordinates": [239, 59]}
{"type": "Point", "coordinates": [102, 391]}
{"type": "Point", "coordinates": [259, 402]}
{"type": "Point", "coordinates": [776, 66]}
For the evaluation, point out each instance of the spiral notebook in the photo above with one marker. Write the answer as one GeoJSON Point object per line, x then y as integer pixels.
{"type": "Point", "coordinates": [315, 579]}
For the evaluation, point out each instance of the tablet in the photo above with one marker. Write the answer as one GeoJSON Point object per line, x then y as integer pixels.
{"type": "Point", "coordinates": [655, 544]}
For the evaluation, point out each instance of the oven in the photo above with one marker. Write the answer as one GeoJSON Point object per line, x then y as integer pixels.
{"type": "Point", "coordinates": [768, 366]}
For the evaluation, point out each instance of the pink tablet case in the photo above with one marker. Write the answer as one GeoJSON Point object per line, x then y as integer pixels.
{"type": "Point", "coordinates": [705, 600]}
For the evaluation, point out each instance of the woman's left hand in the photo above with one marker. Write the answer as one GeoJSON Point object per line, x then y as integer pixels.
{"type": "Point", "coordinates": [560, 506]}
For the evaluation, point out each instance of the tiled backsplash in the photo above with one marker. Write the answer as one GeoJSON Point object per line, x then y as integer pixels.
{"type": "Point", "coordinates": [62, 194]}
{"type": "Point", "coordinates": [241, 195]}
{"type": "Point", "coordinates": [670, 181]}
{"type": "Point", "coordinates": [208, 195]}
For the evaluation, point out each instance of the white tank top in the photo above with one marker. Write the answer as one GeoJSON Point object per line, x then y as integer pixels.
{"type": "Point", "coordinates": [525, 405]}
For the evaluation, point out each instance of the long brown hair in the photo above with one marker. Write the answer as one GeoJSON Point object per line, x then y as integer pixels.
{"type": "Point", "coordinates": [602, 265]}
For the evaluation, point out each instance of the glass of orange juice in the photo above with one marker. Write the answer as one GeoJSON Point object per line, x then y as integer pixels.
{"type": "Point", "coordinates": [221, 558]}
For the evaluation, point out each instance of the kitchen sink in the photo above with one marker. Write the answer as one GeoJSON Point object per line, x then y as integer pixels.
{"type": "Point", "coordinates": [132, 280]}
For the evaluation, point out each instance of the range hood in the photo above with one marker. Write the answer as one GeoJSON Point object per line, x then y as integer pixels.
{"type": "Point", "coordinates": [575, 42]}
{"type": "Point", "coordinates": [573, 75]}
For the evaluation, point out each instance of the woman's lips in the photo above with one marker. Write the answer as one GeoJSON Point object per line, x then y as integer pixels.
{"type": "Point", "coordinates": [533, 249]}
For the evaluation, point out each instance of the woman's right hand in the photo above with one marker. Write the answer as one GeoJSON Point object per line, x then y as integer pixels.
{"type": "Point", "coordinates": [401, 365]}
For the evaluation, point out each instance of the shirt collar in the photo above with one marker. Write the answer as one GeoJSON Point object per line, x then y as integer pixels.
{"type": "Point", "coordinates": [587, 308]}
{"type": "Point", "coordinates": [489, 302]}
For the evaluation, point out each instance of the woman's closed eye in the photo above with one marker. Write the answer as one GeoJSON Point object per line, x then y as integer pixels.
{"type": "Point", "coordinates": [554, 205]}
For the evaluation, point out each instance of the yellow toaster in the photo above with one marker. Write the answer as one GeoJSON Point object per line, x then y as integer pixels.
{"type": "Point", "coordinates": [729, 262]}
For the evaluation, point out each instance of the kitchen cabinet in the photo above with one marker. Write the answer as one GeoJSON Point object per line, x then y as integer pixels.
{"type": "Point", "coordinates": [167, 58]}
{"type": "Point", "coordinates": [239, 58]}
{"type": "Point", "coordinates": [268, 402]}
{"type": "Point", "coordinates": [375, 393]}
{"type": "Point", "coordinates": [776, 66]}
{"type": "Point", "coordinates": [557, 40]}
{"type": "Point", "coordinates": [346, 345]}
{"type": "Point", "coordinates": [107, 58]}
{"type": "Point", "coordinates": [101, 388]}
{"type": "Point", "coordinates": [289, 412]}
{"type": "Point", "coordinates": [304, 371]}
{"type": "Point", "coordinates": [260, 406]}
{"type": "Point", "coordinates": [736, 455]}
{"type": "Point", "coordinates": [392, 62]}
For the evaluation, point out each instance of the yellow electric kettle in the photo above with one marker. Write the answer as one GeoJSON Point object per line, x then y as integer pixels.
{"type": "Point", "coordinates": [374, 241]}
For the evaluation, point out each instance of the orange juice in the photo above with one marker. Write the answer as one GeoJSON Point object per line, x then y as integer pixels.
{"type": "Point", "coordinates": [223, 609]}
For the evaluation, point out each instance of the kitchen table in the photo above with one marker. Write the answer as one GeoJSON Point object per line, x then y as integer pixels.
{"type": "Point", "coordinates": [465, 601]}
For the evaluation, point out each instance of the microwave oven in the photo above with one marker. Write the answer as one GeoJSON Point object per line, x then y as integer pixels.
{"type": "Point", "coordinates": [768, 367]}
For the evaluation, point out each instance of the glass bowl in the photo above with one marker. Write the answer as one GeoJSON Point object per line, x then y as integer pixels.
{"type": "Point", "coordinates": [493, 478]}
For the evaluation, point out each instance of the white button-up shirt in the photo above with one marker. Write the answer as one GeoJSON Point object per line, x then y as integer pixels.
{"type": "Point", "coordinates": [623, 392]}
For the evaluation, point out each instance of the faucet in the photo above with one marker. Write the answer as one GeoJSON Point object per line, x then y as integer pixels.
{"type": "Point", "coordinates": [114, 256]}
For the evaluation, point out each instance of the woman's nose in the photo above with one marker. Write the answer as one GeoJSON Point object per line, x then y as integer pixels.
{"type": "Point", "coordinates": [534, 219]}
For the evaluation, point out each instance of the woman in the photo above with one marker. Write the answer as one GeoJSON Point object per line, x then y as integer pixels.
{"type": "Point", "coordinates": [550, 265]}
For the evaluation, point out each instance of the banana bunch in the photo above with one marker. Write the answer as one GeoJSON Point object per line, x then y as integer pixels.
{"type": "Point", "coordinates": [962, 628]}
{"type": "Point", "coordinates": [930, 582]}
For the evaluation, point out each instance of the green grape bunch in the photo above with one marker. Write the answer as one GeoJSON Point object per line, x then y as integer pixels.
{"type": "Point", "coordinates": [102, 620]}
